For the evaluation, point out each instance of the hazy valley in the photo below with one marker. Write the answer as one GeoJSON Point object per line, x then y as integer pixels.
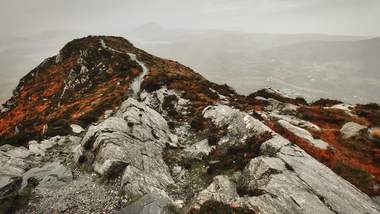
{"type": "Point", "coordinates": [308, 65]}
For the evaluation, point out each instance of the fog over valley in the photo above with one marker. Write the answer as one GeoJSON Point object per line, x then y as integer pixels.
{"type": "Point", "coordinates": [308, 65]}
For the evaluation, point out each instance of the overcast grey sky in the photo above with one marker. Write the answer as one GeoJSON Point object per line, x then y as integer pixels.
{"type": "Point", "coordinates": [349, 17]}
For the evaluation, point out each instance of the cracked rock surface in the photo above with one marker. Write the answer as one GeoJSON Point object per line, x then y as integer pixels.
{"type": "Point", "coordinates": [284, 179]}
{"type": "Point", "coordinates": [130, 143]}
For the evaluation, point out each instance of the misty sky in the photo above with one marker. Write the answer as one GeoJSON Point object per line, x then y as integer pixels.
{"type": "Point", "coordinates": [348, 17]}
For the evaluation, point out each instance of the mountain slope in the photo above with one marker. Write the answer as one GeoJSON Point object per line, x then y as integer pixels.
{"type": "Point", "coordinates": [118, 129]}
{"type": "Point", "coordinates": [82, 81]}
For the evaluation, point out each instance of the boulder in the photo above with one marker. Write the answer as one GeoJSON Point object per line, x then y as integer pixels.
{"type": "Point", "coordinates": [351, 129]}
{"type": "Point", "coordinates": [151, 203]}
{"type": "Point", "coordinates": [198, 150]}
{"type": "Point", "coordinates": [77, 129]}
{"type": "Point", "coordinates": [222, 189]}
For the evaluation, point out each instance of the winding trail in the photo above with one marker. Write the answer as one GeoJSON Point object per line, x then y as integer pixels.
{"type": "Point", "coordinates": [136, 83]}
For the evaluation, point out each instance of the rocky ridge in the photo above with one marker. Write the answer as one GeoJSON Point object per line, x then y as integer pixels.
{"type": "Point", "coordinates": [182, 145]}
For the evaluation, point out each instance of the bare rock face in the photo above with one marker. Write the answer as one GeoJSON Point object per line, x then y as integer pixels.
{"type": "Point", "coordinates": [284, 179]}
{"type": "Point", "coordinates": [222, 189]}
{"type": "Point", "coordinates": [338, 135]}
{"type": "Point", "coordinates": [162, 99]}
{"type": "Point", "coordinates": [257, 174]}
{"type": "Point", "coordinates": [44, 174]}
{"type": "Point", "coordinates": [39, 148]}
{"type": "Point", "coordinates": [335, 193]}
{"type": "Point", "coordinates": [12, 162]}
{"type": "Point", "coordinates": [240, 124]}
{"type": "Point", "coordinates": [294, 121]}
{"type": "Point", "coordinates": [130, 143]}
{"type": "Point", "coordinates": [17, 160]}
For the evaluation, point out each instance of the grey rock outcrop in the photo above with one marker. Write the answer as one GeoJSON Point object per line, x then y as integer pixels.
{"type": "Point", "coordinates": [13, 162]}
{"type": "Point", "coordinates": [16, 160]}
{"type": "Point", "coordinates": [304, 134]}
{"type": "Point", "coordinates": [316, 187]}
{"type": "Point", "coordinates": [39, 148]}
{"type": "Point", "coordinates": [283, 179]}
{"type": "Point", "coordinates": [159, 98]}
{"type": "Point", "coordinates": [44, 174]}
{"type": "Point", "coordinates": [295, 121]}
{"type": "Point", "coordinates": [198, 150]}
{"type": "Point", "coordinates": [222, 189]}
{"type": "Point", "coordinates": [130, 148]}
{"type": "Point", "coordinates": [240, 124]}
{"type": "Point", "coordinates": [130, 144]}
